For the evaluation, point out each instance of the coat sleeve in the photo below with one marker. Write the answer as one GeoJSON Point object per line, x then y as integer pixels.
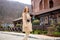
{"type": "Point", "coordinates": [24, 19]}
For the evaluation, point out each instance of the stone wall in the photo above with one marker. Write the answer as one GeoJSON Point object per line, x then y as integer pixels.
{"type": "Point", "coordinates": [39, 5]}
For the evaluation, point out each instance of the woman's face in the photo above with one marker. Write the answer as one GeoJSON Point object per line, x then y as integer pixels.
{"type": "Point", "coordinates": [27, 9]}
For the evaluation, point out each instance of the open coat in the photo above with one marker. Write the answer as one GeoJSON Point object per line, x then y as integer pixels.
{"type": "Point", "coordinates": [27, 26]}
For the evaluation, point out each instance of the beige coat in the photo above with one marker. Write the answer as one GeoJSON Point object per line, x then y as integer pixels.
{"type": "Point", "coordinates": [27, 26]}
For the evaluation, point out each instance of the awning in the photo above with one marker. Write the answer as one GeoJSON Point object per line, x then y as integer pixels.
{"type": "Point", "coordinates": [18, 19]}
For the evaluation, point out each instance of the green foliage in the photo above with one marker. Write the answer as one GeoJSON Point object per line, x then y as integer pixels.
{"type": "Point", "coordinates": [58, 27]}
{"type": "Point", "coordinates": [36, 22]}
{"type": "Point", "coordinates": [18, 25]}
{"type": "Point", "coordinates": [33, 32]}
{"type": "Point", "coordinates": [54, 30]}
{"type": "Point", "coordinates": [57, 34]}
{"type": "Point", "coordinates": [44, 32]}
{"type": "Point", "coordinates": [37, 32]}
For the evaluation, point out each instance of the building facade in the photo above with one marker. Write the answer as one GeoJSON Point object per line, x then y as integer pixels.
{"type": "Point", "coordinates": [38, 5]}
{"type": "Point", "coordinates": [47, 11]}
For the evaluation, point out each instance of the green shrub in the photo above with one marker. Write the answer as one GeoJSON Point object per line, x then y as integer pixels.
{"type": "Point", "coordinates": [58, 27]}
{"type": "Point", "coordinates": [32, 32]}
{"type": "Point", "coordinates": [57, 34]}
{"type": "Point", "coordinates": [36, 32]}
{"type": "Point", "coordinates": [44, 32]}
{"type": "Point", "coordinates": [36, 22]}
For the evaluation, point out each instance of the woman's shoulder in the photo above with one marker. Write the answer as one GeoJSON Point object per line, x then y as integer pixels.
{"type": "Point", "coordinates": [28, 14]}
{"type": "Point", "coordinates": [23, 13]}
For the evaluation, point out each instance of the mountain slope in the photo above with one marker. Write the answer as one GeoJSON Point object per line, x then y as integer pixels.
{"type": "Point", "coordinates": [11, 10]}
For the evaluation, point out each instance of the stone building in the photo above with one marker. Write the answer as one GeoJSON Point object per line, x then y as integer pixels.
{"type": "Point", "coordinates": [47, 11]}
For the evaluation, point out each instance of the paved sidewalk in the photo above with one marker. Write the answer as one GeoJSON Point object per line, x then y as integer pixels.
{"type": "Point", "coordinates": [42, 37]}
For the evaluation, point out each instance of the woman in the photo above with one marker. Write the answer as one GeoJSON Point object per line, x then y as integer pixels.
{"type": "Point", "coordinates": [27, 25]}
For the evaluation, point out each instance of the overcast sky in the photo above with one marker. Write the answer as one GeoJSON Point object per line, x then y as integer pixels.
{"type": "Point", "coordinates": [23, 1]}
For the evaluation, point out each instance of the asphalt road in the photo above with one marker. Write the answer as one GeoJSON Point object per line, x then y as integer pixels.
{"type": "Point", "coordinates": [20, 36]}
{"type": "Point", "coordinates": [7, 36]}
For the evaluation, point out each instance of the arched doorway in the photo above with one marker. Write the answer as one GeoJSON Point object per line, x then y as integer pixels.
{"type": "Point", "coordinates": [51, 4]}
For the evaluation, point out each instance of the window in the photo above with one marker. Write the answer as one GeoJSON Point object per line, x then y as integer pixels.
{"type": "Point", "coordinates": [51, 3]}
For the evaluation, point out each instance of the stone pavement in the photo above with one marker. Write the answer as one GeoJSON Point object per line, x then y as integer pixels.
{"type": "Point", "coordinates": [20, 36]}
